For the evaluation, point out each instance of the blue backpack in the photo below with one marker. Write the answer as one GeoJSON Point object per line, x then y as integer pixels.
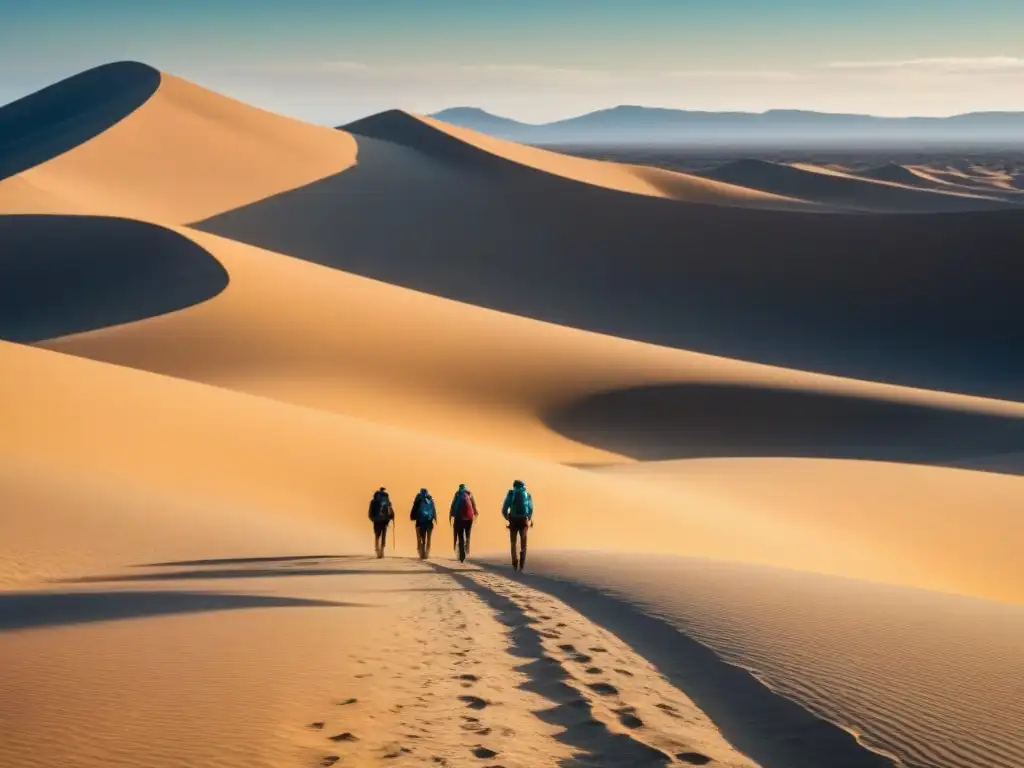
{"type": "Point", "coordinates": [520, 503]}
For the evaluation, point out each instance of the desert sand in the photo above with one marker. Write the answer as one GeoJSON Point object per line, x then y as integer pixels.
{"type": "Point", "coordinates": [782, 421]}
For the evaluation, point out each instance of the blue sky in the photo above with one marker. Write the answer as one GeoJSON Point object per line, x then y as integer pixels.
{"type": "Point", "coordinates": [333, 60]}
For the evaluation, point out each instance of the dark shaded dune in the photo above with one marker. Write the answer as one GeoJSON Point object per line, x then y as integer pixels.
{"type": "Point", "coordinates": [402, 129]}
{"type": "Point", "coordinates": [67, 274]}
{"type": "Point", "coordinates": [714, 420]}
{"type": "Point", "coordinates": [58, 118]}
{"type": "Point", "coordinates": [853, 193]}
{"type": "Point", "coordinates": [898, 174]}
{"type": "Point", "coordinates": [926, 300]}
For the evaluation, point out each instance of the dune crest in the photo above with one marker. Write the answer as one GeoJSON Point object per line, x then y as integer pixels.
{"type": "Point", "coordinates": [471, 149]}
{"type": "Point", "coordinates": [55, 120]}
{"type": "Point", "coordinates": [182, 154]}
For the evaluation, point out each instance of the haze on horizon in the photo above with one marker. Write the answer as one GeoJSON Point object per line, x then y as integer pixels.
{"type": "Point", "coordinates": [536, 60]}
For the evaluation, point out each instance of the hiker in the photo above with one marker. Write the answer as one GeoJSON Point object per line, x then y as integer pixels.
{"type": "Point", "coordinates": [424, 515]}
{"type": "Point", "coordinates": [462, 514]}
{"type": "Point", "coordinates": [518, 511]}
{"type": "Point", "coordinates": [381, 513]}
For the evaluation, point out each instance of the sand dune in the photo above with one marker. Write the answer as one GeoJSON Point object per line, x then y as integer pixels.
{"type": "Point", "coordinates": [183, 154]}
{"type": "Point", "coordinates": [471, 150]}
{"type": "Point", "coordinates": [244, 324]}
{"type": "Point", "coordinates": [904, 175]}
{"type": "Point", "coordinates": [447, 373]}
{"type": "Point", "coordinates": [66, 274]}
{"type": "Point", "coordinates": [635, 266]}
{"type": "Point", "coordinates": [810, 182]}
{"type": "Point", "coordinates": [59, 118]}
{"type": "Point", "coordinates": [983, 183]}
{"type": "Point", "coordinates": [930, 678]}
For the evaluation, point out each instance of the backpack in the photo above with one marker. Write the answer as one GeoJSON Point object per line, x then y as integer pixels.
{"type": "Point", "coordinates": [520, 503]}
{"type": "Point", "coordinates": [380, 507]}
{"type": "Point", "coordinates": [466, 507]}
{"type": "Point", "coordinates": [425, 509]}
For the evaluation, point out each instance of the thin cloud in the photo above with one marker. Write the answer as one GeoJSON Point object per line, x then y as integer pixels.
{"type": "Point", "coordinates": [941, 64]}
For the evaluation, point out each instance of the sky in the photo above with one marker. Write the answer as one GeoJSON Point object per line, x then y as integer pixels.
{"type": "Point", "coordinates": [331, 61]}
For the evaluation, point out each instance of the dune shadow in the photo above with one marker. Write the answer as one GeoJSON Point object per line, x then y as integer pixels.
{"type": "Point", "coordinates": [769, 728]}
{"type": "Point", "coordinates": [67, 274]}
{"type": "Point", "coordinates": [683, 421]}
{"type": "Point", "coordinates": [918, 299]}
{"type": "Point", "coordinates": [250, 560]}
{"type": "Point", "coordinates": [58, 118]}
{"type": "Point", "coordinates": [50, 609]}
{"type": "Point", "coordinates": [233, 573]}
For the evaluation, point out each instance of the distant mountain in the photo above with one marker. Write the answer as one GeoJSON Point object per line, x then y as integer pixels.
{"type": "Point", "coordinates": [479, 120]}
{"type": "Point", "coordinates": [647, 125]}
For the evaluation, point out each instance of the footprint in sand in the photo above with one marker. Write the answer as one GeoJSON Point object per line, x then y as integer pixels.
{"type": "Point", "coordinates": [605, 689]}
{"type": "Point", "coordinates": [594, 670]}
{"type": "Point", "coordinates": [693, 758]}
{"type": "Point", "coordinates": [474, 702]}
{"type": "Point", "coordinates": [568, 648]}
{"type": "Point", "coordinates": [627, 716]}
{"type": "Point", "coordinates": [330, 760]}
{"type": "Point", "coordinates": [346, 702]}
{"type": "Point", "coordinates": [469, 678]}
{"type": "Point", "coordinates": [669, 709]}
{"type": "Point", "coordinates": [484, 753]}
{"type": "Point", "coordinates": [598, 649]}
{"type": "Point", "coordinates": [346, 736]}
{"type": "Point", "coordinates": [318, 726]}
{"type": "Point", "coordinates": [625, 672]}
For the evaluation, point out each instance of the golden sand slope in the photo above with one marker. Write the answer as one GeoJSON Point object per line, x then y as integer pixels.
{"type": "Point", "coordinates": [185, 154]}
{"type": "Point", "coordinates": [931, 678]}
{"type": "Point", "coordinates": [390, 355]}
{"type": "Point", "coordinates": [952, 530]}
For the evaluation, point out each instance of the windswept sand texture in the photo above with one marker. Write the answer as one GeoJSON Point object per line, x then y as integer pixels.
{"type": "Point", "coordinates": [221, 329]}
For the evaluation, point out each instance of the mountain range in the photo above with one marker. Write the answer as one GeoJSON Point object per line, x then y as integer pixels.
{"type": "Point", "coordinates": [648, 125]}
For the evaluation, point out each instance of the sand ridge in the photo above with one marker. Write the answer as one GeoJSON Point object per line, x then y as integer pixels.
{"type": "Point", "coordinates": [183, 154]}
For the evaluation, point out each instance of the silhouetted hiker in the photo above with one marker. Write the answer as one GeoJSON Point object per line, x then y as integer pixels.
{"type": "Point", "coordinates": [381, 513]}
{"type": "Point", "coordinates": [518, 511]}
{"type": "Point", "coordinates": [462, 515]}
{"type": "Point", "coordinates": [424, 514]}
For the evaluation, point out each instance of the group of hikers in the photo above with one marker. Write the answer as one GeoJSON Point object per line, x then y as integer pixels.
{"type": "Point", "coordinates": [517, 511]}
